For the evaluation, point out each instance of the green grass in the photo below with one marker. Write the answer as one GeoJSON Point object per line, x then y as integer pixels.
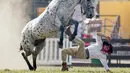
{"type": "Point", "coordinates": [71, 70]}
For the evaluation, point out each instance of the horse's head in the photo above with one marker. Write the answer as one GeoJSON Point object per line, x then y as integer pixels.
{"type": "Point", "coordinates": [88, 8]}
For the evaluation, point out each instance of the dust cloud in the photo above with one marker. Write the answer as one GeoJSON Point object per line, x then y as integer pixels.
{"type": "Point", "coordinates": [13, 17]}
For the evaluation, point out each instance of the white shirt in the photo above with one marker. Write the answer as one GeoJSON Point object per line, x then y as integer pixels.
{"type": "Point", "coordinates": [95, 51]}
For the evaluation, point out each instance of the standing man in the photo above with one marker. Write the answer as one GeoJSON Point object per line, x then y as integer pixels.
{"type": "Point", "coordinates": [99, 50]}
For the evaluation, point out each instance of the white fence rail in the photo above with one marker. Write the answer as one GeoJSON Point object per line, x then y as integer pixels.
{"type": "Point", "coordinates": [51, 54]}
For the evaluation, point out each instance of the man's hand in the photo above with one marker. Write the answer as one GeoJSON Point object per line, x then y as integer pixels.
{"type": "Point", "coordinates": [108, 38]}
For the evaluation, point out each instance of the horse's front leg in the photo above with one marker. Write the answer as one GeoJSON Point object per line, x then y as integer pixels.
{"type": "Point", "coordinates": [34, 56]}
{"type": "Point", "coordinates": [76, 23]}
{"type": "Point", "coordinates": [60, 43]}
{"type": "Point", "coordinates": [34, 61]}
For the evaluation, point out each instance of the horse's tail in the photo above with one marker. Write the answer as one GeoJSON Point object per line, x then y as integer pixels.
{"type": "Point", "coordinates": [21, 48]}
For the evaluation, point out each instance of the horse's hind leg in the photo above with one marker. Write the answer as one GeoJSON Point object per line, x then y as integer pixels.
{"type": "Point", "coordinates": [27, 61]}
{"type": "Point", "coordinates": [38, 48]}
{"type": "Point", "coordinates": [25, 54]}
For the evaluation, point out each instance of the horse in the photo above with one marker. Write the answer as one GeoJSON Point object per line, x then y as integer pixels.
{"type": "Point", "coordinates": [57, 15]}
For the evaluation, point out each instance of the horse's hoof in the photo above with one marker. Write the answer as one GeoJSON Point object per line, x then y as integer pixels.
{"type": "Point", "coordinates": [34, 69]}
{"type": "Point", "coordinates": [31, 68]}
{"type": "Point", "coordinates": [7, 70]}
{"type": "Point", "coordinates": [60, 45]}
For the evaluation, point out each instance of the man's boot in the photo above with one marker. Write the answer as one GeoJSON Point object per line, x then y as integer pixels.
{"type": "Point", "coordinates": [64, 66]}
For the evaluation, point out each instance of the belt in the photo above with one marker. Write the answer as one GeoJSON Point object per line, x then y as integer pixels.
{"type": "Point", "coordinates": [87, 53]}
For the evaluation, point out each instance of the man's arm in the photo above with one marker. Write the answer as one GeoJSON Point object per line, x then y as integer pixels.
{"type": "Point", "coordinates": [102, 35]}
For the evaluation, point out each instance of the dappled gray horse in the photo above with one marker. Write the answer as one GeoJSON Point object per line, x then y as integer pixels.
{"type": "Point", "coordinates": [57, 16]}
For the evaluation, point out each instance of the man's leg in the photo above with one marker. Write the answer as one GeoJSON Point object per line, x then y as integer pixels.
{"type": "Point", "coordinates": [79, 52]}
{"type": "Point", "coordinates": [65, 52]}
{"type": "Point", "coordinates": [79, 42]}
